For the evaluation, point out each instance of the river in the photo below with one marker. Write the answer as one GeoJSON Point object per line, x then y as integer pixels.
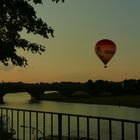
{"type": "Point", "coordinates": [23, 101]}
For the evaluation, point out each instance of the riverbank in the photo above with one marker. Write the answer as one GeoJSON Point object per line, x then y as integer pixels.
{"type": "Point", "coordinates": [124, 100]}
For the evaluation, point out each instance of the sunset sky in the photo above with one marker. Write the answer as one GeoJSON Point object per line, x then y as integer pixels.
{"type": "Point", "coordinates": [70, 55]}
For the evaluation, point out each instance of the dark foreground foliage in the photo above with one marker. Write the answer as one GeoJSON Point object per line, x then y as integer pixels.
{"type": "Point", "coordinates": [16, 15]}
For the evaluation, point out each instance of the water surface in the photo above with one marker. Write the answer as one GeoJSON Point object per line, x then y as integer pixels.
{"type": "Point", "coordinates": [23, 100]}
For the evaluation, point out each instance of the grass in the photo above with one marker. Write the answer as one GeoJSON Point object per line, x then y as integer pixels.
{"type": "Point", "coordinates": [124, 100]}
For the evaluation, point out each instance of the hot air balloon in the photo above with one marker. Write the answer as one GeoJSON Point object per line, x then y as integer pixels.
{"type": "Point", "coordinates": [105, 50]}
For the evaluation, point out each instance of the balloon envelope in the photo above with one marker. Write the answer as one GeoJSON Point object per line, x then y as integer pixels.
{"type": "Point", "coordinates": [105, 50]}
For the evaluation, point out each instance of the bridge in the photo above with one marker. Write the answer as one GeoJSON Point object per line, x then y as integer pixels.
{"type": "Point", "coordinates": [35, 94]}
{"type": "Point", "coordinates": [35, 90]}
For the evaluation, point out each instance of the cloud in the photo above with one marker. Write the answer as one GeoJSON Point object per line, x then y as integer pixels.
{"type": "Point", "coordinates": [23, 69]}
{"type": "Point", "coordinates": [11, 68]}
{"type": "Point", "coordinates": [6, 68]}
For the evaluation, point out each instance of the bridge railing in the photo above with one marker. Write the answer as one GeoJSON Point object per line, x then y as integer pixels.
{"type": "Point", "coordinates": [31, 124]}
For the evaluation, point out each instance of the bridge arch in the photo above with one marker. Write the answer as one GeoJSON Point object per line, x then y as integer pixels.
{"type": "Point", "coordinates": [35, 94]}
{"type": "Point", "coordinates": [18, 97]}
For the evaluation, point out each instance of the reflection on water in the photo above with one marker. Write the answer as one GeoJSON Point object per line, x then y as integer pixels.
{"type": "Point", "coordinates": [16, 98]}
{"type": "Point", "coordinates": [23, 100]}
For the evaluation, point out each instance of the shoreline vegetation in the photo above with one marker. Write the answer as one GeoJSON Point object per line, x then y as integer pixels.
{"type": "Point", "coordinates": [123, 93]}
{"type": "Point", "coordinates": [83, 97]}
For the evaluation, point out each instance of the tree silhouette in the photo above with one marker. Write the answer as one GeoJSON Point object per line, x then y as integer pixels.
{"type": "Point", "coordinates": [16, 15]}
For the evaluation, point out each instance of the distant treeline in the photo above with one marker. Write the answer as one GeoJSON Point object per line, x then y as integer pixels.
{"type": "Point", "coordinates": [99, 87]}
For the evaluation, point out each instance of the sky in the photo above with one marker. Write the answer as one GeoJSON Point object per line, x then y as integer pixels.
{"type": "Point", "coordinates": [70, 55]}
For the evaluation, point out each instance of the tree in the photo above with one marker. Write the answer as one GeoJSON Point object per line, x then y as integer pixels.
{"type": "Point", "coordinates": [16, 15]}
